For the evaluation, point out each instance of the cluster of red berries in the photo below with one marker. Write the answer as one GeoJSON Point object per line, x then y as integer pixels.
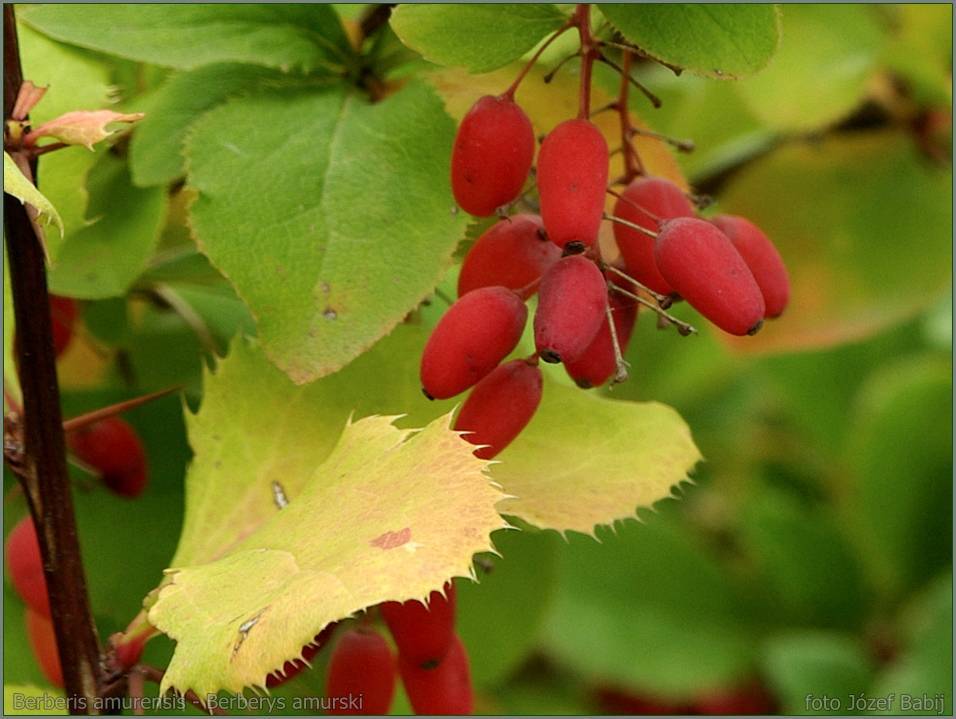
{"type": "Point", "coordinates": [363, 669]}
{"type": "Point", "coordinates": [726, 268]}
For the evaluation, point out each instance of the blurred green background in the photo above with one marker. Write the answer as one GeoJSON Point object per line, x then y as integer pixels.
{"type": "Point", "coordinates": [812, 553]}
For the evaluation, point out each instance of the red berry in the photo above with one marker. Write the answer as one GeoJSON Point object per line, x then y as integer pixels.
{"type": "Point", "coordinates": [112, 447]}
{"type": "Point", "coordinates": [473, 336]}
{"type": "Point", "coordinates": [646, 202]}
{"type": "Point", "coordinates": [513, 253]}
{"type": "Point", "coordinates": [597, 364]}
{"type": "Point", "coordinates": [129, 650]}
{"type": "Point", "coordinates": [43, 641]}
{"type": "Point", "coordinates": [762, 258]}
{"type": "Point", "coordinates": [571, 304]}
{"type": "Point", "coordinates": [445, 689]}
{"type": "Point", "coordinates": [572, 182]}
{"type": "Point", "coordinates": [25, 565]}
{"type": "Point", "coordinates": [492, 155]}
{"type": "Point", "coordinates": [422, 634]}
{"type": "Point", "coordinates": [63, 312]}
{"type": "Point", "coordinates": [293, 667]}
{"type": "Point", "coordinates": [361, 671]}
{"type": "Point", "coordinates": [500, 406]}
{"type": "Point", "coordinates": [619, 701]}
{"type": "Point", "coordinates": [701, 264]}
{"type": "Point", "coordinates": [746, 699]}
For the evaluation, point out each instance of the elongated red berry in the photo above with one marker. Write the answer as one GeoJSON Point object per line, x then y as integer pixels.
{"type": "Point", "coordinates": [423, 634]}
{"type": "Point", "coordinates": [762, 258]}
{"type": "Point", "coordinates": [444, 689]}
{"type": "Point", "coordinates": [572, 182]}
{"type": "Point", "coordinates": [43, 642]}
{"type": "Point", "coordinates": [25, 566]}
{"type": "Point", "coordinates": [361, 678]}
{"type": "Point", "coordinates": [492, 155]}
{"type": "Point", "coordinates": [294, 667]}
{"type": "Point", "coordinates": [469, 341]}
{"type": "Point", "coordinates": [598, 363]}
{"type": "Point", "coordinates": [63, 312]}
{"type": "Point", "coordinates": [500, 406]}
{"type": "Point", "coordinates": [112, 447]}
{"type": "Point", "coordinates": [646, 202]}
{"type": "Point", "coordinates": [570, 311]}
{"type": "Point", "coordinates": [513, 253]}
{"type": "Point", "coordinates": [702, 265]}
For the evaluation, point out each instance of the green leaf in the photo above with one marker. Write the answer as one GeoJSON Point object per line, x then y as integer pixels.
{"type": "Point", "coordinates": [282, 574]}
{"type": "Point", "coordinates": [76, 79]}
{"type": "Point", "coordinates": [803, 561]}
{"type": "Point", "coordinates": [901, 453]}
{"type": "Point", "coordinates": [64, 176]}
{"type": "Point", "coordinates": [849, 277]}
{"type": "Point", "coordinates": [314, 229]}
{"type": "Point", "coordinates": [286, 37]}
{"type": "Point", "coordinates": [921, 680]}
{"type": "Point", "coordinates": [828, 53]}
{"type": "Point", "coordinates": [648, 609]}
{"type": "Point", "coordinates": [15, 183]}
{"type": "Point", "coordinates": [716, 40]}
{"type": "Point", "coordinates": [156, 150]}
{"type": "Point", "coordinates": [31, 700]}
{"type": "Point", "coordinates": [636, 453]}
{"type": "Point", "coordinates": [480, 38]}
{"type": "Point", "coordinates": [816, 672]}
{"type": "Point", "coordinates": [105, 258]}
{"type": "Point", "coordinates": [499, 618]}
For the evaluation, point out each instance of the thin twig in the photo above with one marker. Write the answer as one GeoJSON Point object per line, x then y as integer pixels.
{"type": "Point", "coordinates": [663, 301]}
{"type": "Point", "coordinates": [621, 365]}
{"type": "Point", "coordinates": [682, 327]}
{"type": "Point", "coordinates": [84, 420]}
{"type": "Point", "coordinates": [655, 100]}
{"type": "Point", "coordinates": [510, 92]}
{"type": "Point", "coordinates": [638, 228]}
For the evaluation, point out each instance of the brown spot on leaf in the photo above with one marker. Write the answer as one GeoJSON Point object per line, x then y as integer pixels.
{"type": "Point", "coordinates": [390, 540]}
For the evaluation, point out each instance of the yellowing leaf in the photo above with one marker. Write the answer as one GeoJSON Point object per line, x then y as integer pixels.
{"type": "Point", "coordinates": [15, 183]}
{"type": "Point", "coordinates": [83, 127]}
{"type": "Point", "coordinates": [587, 460]}
{"type": "Point", "coordinates": [391, 514]}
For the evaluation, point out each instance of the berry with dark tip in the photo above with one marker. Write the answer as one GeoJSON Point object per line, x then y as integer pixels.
{"type": "Point", "coordinates": [646, 202]}
{"type": "Point", "coordinates": [571, 304]}
{"type": "Point", "coordinates": [762, 258]}
{"type": "Point", "coordinates": [702, 265]}
{"type": "Point", "coordinates": [572, 182]}
{"type": "Point", "coordinates": [472, 337]}
{"type": "Point", "coordinates": [513, 253]}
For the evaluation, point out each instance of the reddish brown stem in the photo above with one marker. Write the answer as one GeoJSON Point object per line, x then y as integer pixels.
{"type": "Point", "coordinates": [44, 475]}
{"type": "Point", "coordinates": [510, 92]}
{"type": "Point", "coordinates": [84, 420]}
{"type": "Point", "coordinates": [632, 162]}
{"type": "Point", "coordinates": [589, 52]}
